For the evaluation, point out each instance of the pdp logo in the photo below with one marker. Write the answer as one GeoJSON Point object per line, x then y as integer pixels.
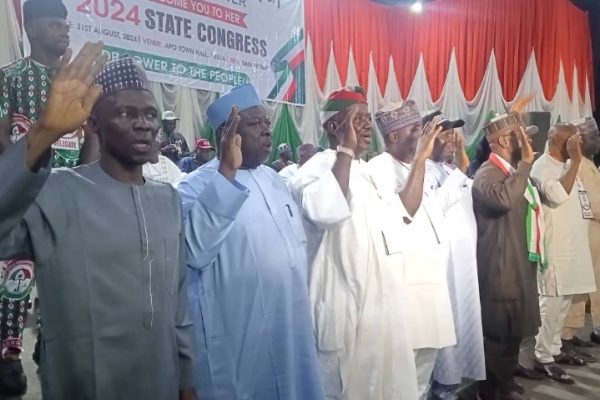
{"type": "Point", "coordinates": [17, 279]}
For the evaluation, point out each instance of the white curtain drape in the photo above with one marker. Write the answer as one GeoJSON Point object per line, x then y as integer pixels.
{"type": "Point", "coordinates": [452, 101]}
{"type": "Point", "coordinates": [190, 104]}
{"type": "Point", "coordinates": [10, 35]}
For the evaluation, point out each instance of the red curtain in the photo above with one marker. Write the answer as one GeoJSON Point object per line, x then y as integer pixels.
{"type": "Point", "coordinates": [555, 29]}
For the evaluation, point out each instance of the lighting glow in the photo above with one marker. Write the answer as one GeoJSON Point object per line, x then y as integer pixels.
{"type": "Point", "coordinates": [417, 7]}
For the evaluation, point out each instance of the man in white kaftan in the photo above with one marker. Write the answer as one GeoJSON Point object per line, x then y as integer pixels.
{"type": "Point", "coordinates": [425, 245]}
{"type": "Point", "coordinates": [163, 170]}
{"type": "Point", "coordinates": [304, 152]}
{"type": "Point", "coordinates": [289, 173]}
{"type": "Point", "coordinates": [356, 285]}
{"type": "Point", "coordinates": [570, 269]}
{"type": "Point", "coordinates": [466, 359]}
{"type": "Point", "coordinates": [590, 177]}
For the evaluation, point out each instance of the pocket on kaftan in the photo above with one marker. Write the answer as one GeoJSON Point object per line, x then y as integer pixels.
{"type": "Point", "coordinates": [171, 265]}
{"type": "Point", "coordinates": [295, 220]}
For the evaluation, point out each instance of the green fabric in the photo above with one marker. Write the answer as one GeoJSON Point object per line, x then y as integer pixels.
{"type": "Point", "coordinates": [64, 158]}
{"type": "Point", "coordinates": [323, 141]}
{"type": "Point", "coordinates": [536, 253]}
{"type": "Point", "coordinates": [343, 98]}
{"type": "Point", "coordinates": [285, 132]}
{"type": "Point", "coordinates": [209, 133]}
{"type": "Point", "coordinates": [474, 145]}
{"type": "Point", "coordinates": [375, 148]}
{"type": "Point", "coordinates": [338, 105]}
{"type": "Point", "coordinates": [24, 87]}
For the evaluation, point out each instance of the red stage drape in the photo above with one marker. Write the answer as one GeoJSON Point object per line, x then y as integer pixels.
{"type": "Point", "coordinates": [555, 29]}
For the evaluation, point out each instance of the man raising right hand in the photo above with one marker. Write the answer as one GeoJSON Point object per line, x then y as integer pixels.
{"type": "Point", "coordinates": [507, 207]}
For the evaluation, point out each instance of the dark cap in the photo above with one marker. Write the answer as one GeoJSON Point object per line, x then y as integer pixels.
{"type": "Point", "coordinates": [446, 123]}
{"type": "Point", "coordinates": [34, 9]}
{"type": "Point", "coordinates": [120, 74]}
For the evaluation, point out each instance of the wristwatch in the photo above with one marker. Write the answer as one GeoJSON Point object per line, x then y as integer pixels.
{"type": "Point", "coordinates": [345, 150]}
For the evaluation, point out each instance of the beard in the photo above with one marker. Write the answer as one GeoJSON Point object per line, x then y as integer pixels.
{"type": "Point", "coordinates": [515, 155]}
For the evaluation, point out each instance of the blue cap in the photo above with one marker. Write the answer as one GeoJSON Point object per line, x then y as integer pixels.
{"type": "Point", "coordinates": [244, 97]}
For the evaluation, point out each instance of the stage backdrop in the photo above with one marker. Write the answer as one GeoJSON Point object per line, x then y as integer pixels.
{"type": "Point", "coordinates": [211, 45]}
{"type": "Point", "coordinates": [466, 57]}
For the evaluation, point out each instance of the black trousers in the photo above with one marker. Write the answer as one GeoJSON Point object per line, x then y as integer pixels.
{"type": "Point", "coordinates": [501, 360]}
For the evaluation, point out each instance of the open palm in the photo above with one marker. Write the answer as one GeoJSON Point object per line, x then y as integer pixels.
{"type": "Point", "coordinates": [348, 133]}
{"type": "Point", "coordinates": [426, 142]}
{"type": "Point", "coordinates": [72, 95]}
{"type": "Point", "coordinates": [231, 142]}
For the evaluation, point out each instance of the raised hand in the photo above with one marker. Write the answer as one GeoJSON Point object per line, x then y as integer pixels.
{"type": "Point", "coordinates": [346, 130]}
{"type": "Point", "coordinates": [527, 154]}
{"type": "Point", "coordinates": [459, 141]}
{"type": "Point", "coordinates": [574, 147]}
{"type": "Point", "coordinates": [230, 152]}
{"type": "Point", "coordinates": [427, 140]}
{"type": "Point", "coordinates": [70, 101]}
{"type": "Point", "coordinates": [72, 95]}
{"type": "Point", "coordinates": [461, 156]}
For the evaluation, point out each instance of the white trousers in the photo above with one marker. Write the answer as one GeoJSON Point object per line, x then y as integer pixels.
{"type": "Point", "coordinates": [553, 311]}
{"type": "Point", "coordinates": [425, 361]}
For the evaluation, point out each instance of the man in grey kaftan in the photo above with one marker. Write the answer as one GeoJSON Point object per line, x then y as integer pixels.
{"type": "Point", "coordinates": [111, 274]}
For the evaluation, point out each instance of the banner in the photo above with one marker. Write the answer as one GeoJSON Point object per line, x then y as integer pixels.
{"type": "Point", "coordinates": [211, 45]}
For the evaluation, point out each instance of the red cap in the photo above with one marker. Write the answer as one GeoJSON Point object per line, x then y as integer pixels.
{"type": "Point", "coordinates": [203, 144]}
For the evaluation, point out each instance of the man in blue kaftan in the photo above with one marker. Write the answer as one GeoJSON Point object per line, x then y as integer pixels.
{"type": "Point", "coordinates": [248, 270]}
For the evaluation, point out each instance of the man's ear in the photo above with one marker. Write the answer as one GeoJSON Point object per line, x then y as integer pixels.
{"type": "Point", "coordinates": [393, 137]}
{"type": "Point", "coordinates": [503, 141]}
{"type": "Point", "coordinates": [332, 125]}
{"type": "Point", "coordinates": [93, 127]}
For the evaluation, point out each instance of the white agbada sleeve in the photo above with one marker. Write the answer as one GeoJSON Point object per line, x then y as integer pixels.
{"type": "Point", "coordinates": [319, 193]}
{"type": "Point", "coordinates": [451, 189]}
{"type": "Point", "coordinates": [544, 175]}
{"type": "Point", "coordinates": [174, 174]}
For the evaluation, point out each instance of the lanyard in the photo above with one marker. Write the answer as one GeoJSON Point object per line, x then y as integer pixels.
{"type": "Point", "coordinates": [580, 184]}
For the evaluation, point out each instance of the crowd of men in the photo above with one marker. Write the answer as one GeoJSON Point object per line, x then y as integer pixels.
{"type": "Point", "coordinates": [332, 278]}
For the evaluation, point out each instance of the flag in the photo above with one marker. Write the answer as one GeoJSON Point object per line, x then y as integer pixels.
{"type": "Point", "coordinates": [288, 65]}
{"type": "Point", "coordinates": [473, 146]}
